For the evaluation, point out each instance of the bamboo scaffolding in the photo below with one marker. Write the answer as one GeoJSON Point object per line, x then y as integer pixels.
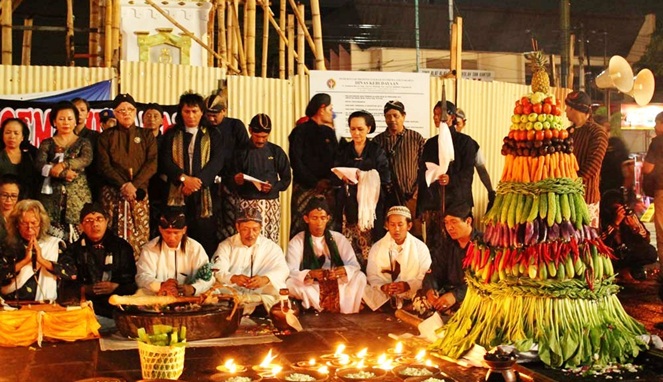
{"type": "Point", "coordinates": [250, 33]}
{"type": "Point", "coordinates": [6, 32]}
{"type": "Point", "coordinates": [94, 37]}
{"type": "Point", "coordinates": [222, 46]}
{"type": "Point", "coordinates": [291, 46]}
{"type": "Point", "coordinates": [108, 33]}
{"type": "Point", "coordinates": [69, 37]}
{"type": "Point", "coordinates": [280, 32]}
{"type": "Point", "coordinates": [238, 41]}
{"type": "Point", "coordinates": [317, 35]}
{"type": "Point", "coordinates": [230, 34]}
{"type": "Point", "coordinates": [115, 41]}
{"type": "Point", "coordinates": [210, 32]}
{"type": "Point", "coordinates": [27, 42]}
{"type": "Point", "coordinates": [282, 23]}
{"type": "Point", "coordinates": [186, 31]}
{"type": "Point", "coordinates": [299, 15]}
{"type": "Point", "coordinates": [301, 43]}
{"type": "Point", "coordinates": [265, 40]}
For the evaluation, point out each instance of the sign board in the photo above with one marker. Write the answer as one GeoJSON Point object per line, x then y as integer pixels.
{"type": "Point", "coordinates": [479, 75]}
{"type": "Point", "coordinates": [370, 91]}
{"type": "Point", "coordinates": [634, 116]}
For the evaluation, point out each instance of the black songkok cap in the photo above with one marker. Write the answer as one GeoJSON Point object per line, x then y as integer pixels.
{"type": "Point", "coordinates": [261, 123]}
{"type": "Point", "coordinates": [249, 214]}
{"type": "Point", "coordinates": [126, 97]}
{"type": "Point", "coordinates": [318, 100]}
{"type": "Point", "coordinates": [318, 202]}
{"type": "Point", "coordinates": [460, 210]}
{"type": "Point", "coordinates": [154, 106]}
{"type": "Point", "coordinates": [172, 217]}
{"type": "Point", "coordinates": [394, 105]}
{"type": "Point", "coordinates": [90, 208]}
{"type": "Point", "coordinates": [580, 101]}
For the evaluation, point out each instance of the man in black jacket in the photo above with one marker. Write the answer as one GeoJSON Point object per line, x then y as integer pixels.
{"type": "Point", "coordinates": [105, 263]}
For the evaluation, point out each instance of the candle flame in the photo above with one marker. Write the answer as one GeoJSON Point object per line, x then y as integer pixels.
{"type": "Point", "coordinates": [339, 350]}
{"type": "Point", "coordinates": [399, 348]}
{"type": "Point", "coordinates": [312, 362]}
{"type": "Point", "coordinates": [362, 353]}
{"type": "Point", "coordinates": [344, 359]}
{"type": "Point", "coordinates": [361, 364]}
{"type": "Point", "coordinates": [420, 356]}
{"type": "Point", "coordinates": [428, 363]}
{"type": "Point", "coordinates": [384, 362]}
{"type": "Point", "coordinates": [323, 370]}
{"type": "Point", "coordinates": [382, 359]}
{"type": "Point", "coordinates": [268, 360]}
{"type": "Point", "coordinates": [276, 369]}
{"type": "Point", "coordinates": [230, 366]}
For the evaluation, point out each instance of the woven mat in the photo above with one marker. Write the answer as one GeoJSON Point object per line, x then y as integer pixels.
{"type": "Point", "coordinates": [245, 335]}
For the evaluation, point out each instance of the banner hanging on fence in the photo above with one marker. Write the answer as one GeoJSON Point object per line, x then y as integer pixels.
{"type": "Point", "coordinates": [101, 91]}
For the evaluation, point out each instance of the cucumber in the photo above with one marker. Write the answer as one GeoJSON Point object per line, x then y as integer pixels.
{"type": "Point", "coordinates": [543, 206]}
{"type": "Point", "coordinates": [566, 209]}
{"type": "Point", "coordinates": [551, 209]}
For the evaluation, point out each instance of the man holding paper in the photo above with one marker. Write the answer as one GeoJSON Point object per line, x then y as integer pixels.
{"type": "Point", "coordinates": [447, 161]}
{"type": "Point", "coordinates": [262, 171]}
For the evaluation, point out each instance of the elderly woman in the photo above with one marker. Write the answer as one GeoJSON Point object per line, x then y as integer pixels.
{"type": "Point", "coordinates": [17, 155]}
{"type": "Point", "coordinates": [62, 160]}
{"type": "Point", "coordinates": [362, 212]}
{"type": "Point", "coordinates": [28, 266]}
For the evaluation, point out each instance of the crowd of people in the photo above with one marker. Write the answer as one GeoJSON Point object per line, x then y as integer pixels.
{"type": "Point", "coordinates": [170, 211]}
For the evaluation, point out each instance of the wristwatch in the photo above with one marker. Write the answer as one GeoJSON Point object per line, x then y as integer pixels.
{"type": "Point", "coordinates": [182, 177]}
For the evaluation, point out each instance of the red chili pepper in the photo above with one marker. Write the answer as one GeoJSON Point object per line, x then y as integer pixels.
{"type": "Point", "coordinates": [574, 248]}
{"type": "Point", "coordinates": [589, 277]}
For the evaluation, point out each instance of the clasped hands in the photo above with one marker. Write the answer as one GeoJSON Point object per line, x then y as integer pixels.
{"type": "Point", "coordinates": [440, 303]}
{"type": "Point", "coordinates": [254, 282]}
{"type": "Point", "coordinates": [325, 274]}
{"type": "Point", "coordinates": [395, 288]}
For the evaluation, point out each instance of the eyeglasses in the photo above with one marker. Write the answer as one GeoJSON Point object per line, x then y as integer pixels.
{"type": "Point", "coordinates": [125, 111]}
{"type": "Point", "coordinates": [98, 219]}
{"type": "Point", "coordinates": [9, 196]}
{"type": "Point", "coordinates": [29, 224]}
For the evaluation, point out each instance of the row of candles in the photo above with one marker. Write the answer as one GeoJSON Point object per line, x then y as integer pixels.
{"type": "Point", "coordinates": [391, 358]}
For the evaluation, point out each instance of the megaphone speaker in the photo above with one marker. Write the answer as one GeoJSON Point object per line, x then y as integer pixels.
{"type": "Point", "coordinates": [643, 87]}
{"type": "Point", "coordinates": [618, 75]}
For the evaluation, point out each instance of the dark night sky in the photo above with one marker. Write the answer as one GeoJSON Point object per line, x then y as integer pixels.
{"type": "Point", "coordinates": [49, 47]}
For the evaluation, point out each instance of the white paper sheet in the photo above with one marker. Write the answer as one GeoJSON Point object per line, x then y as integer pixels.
{"type": "Point", "coordinates": [256, 182]}
{"type": "Point", "coordinates": [433, 172]}
{"type": "Point", "coordinates": [348, 172]}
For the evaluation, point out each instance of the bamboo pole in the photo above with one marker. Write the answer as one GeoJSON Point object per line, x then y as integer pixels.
{"type": "Point", "coordinates": [6, 32]}
{"type": "Point", "coordinates": [291, 46]}
{"type": "Point", "coordinates": [27, 42]}
{"type": "Point", "coordinates": [108, 33]}
{"type": "Point", "coordinates": [459, 56]}
{"type": "Point", "coordinates": [301, 43]}
{"type": "Point", "coordinates": [299, 15]}
{"type": "Point", "coordinates": [265, 40]}
{"type": "Point", "coordinates": [238, 41]}
{"type": "Point", "coordinates": [222, 46]}
{"type": "Point", "coordinates": [250, 32]}
{"type": "Point", "coordinates": [282, 22]}
{"type": "Point", "coordinates": [570, 71]}
{"type": "Point", "coordinates": [115, 41]}
{"type": "Point", "coordinates": [317, 35]}
{"type": "Point", "coordinates": [230, 34]}
{"type": "Point", "coordinates": [94, 37]}
{"type": "Point", "coordinates": [282, 35]}
{"type": "Point", "coordinates": [69, 38]}
{"type": "Point", "coordinates": [186, 31]}
{"type": "Point", "coordinates": [210, 33]}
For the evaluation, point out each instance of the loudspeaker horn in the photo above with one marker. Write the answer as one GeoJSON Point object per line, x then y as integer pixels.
{"type": "Point", "coordinates": [618, 75]}
{"type": "Point", "coordinates": [643, 87]}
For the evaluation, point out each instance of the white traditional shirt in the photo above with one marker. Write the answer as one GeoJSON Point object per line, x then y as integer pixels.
{"type": "Point", "coordinates": [158, 263]}
{"type": "Point", "coordinates": [414, 259]}
{"type": "Point", "coordinates": [350, 288]}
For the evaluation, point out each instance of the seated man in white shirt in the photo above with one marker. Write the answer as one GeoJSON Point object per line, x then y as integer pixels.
{"type": "Point", "coordinates": [397, 263]}
{"type": "Point", "coordinates": [250, 263]}
{"type": "Point", "coordinates": [324, 272]}
{"type": "Point", "coordinates": [172, 263]}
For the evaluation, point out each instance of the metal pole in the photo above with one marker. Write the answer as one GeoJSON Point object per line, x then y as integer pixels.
{"type": "Point", "coordinates": [451, 15]}
{"type": "Point", "coordinates": [416, 33]}
{"type": "Point", "coordinates": [564, 21]}
{"type": "Point", "coordinates": [581, 59]}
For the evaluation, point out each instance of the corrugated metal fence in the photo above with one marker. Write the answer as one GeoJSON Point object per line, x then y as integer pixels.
{"type": "Point", "coordinates": [487, 105]}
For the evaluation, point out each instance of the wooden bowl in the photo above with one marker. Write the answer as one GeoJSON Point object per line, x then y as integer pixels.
{"type": "Point", "coordinates": [353, 374]}
{"type": "Point", "coordinates": [407, 371]}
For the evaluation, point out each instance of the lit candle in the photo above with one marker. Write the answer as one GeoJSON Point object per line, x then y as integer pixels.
{"type": "Point", "coordinates": [268, 360]}
{"type": "Point", "coordinates": [276, 369]}
{"type": "Point", "coordinates": [344, 359]}
{"type": "Point", "coordinates": [399, 348]}
{"type": "Point", "coordinates": [428, 363]}
{"type": "Point", "coordinates": [311, 362]}
{"type": "Point", "coordinates": [362, 353]}
{"type": "Point", "coordinates": [323, 370]}
{"type": "Point", "coordinates": [339, 350]}
{"type": "Point", "coordinates": [361, 364]}
{"type": "Point", "coordinates": [421, 355]}
{"type": "Point", "coordinates": [230, 366]}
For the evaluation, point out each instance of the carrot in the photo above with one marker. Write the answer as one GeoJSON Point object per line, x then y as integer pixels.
{"type": "Point", "coordinates": [526, 170]}
{"type": "Point", "coordinates": [539, 170]}
{"type": "Point", "coordinates": [533, 166]}
{"type": "Point", "coordinates": [546, 166]}
{"type": "Point", "coordinates": [563, 168]}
